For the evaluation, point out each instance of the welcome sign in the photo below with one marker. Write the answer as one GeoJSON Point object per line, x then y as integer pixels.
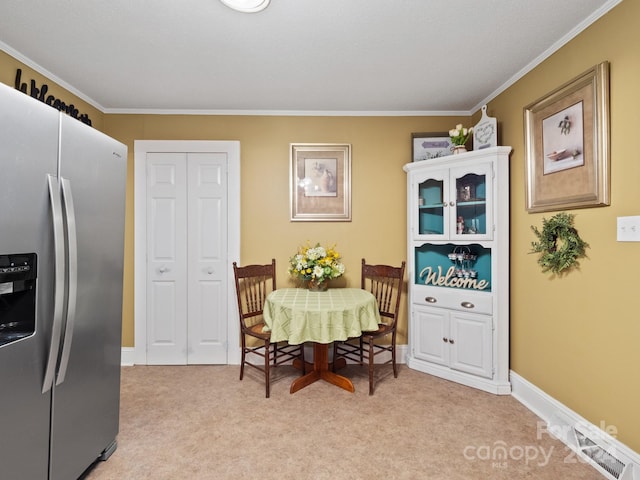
{"type": "Point", "coordinates": [450, 279]}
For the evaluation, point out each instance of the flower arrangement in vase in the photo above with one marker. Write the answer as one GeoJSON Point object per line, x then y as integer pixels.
{"type": "Point", "coordinates": [459, 137]}
{"type": "Point", "coordinates": [316, 266]}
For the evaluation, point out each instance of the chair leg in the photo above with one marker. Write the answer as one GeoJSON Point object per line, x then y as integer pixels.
{"type": "Point", "coordinates": [304, 365]}
{"type": "Point", "coordinates": [243, 357]}
{"type": "Point", "coordinates": [393, 354]}
{"type": "Point", "coordinates": [370, 365]}
{"type": "Point", "coordinates": [267, 366]}
{"type": "Point", "coordinates": [361, 351]}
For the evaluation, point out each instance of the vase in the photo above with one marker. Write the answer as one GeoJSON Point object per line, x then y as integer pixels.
{"type": "Point", "coordinates": [315, 286]}
{"type": "Point", "coordinates": [459, 149]}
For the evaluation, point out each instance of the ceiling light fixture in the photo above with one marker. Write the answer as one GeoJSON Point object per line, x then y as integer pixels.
{"type": "Point", "coordinates": [247, 6]}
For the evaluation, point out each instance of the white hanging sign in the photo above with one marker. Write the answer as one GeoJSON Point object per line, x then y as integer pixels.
{"type": "Point", "coordinates": [485, 133]}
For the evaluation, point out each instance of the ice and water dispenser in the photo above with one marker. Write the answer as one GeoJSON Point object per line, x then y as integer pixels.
{"type": "Point", "coordinates": [17, 296]}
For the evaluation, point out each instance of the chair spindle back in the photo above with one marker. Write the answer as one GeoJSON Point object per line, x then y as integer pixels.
{"type": "Point", "coordinates": [253, 284]}
{"type": "Point", "coordinates": [385, 283]}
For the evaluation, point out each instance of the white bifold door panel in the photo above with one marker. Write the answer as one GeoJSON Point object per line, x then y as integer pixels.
{"type": "Point", "coordinates": [186, 258]}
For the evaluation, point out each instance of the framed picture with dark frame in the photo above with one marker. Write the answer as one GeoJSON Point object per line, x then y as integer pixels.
{"type": "Point", "coordinates": [426, 146]}
{"type": "Point", "coordinates": [567, 145]}
{"type": "Point", "coordinates": [320, 182]}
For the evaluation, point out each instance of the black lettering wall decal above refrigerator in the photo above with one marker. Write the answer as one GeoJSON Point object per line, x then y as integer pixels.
{"type": "Point", "coordinates": [41, 94]}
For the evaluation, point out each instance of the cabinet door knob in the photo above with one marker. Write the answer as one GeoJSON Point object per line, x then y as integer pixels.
{"type": "Point", "coordinates": [444, 339]}
{"type": "Point", "coordinates": [451, 340]}
{"type": "Point", "coordinates": [163, 269]}
{"type": "Point", "coordinates": [467, 304]}
{"type": "Point", "coordinates": [430, 299]}
{"type": "Point", "coordinates": [453, 204]}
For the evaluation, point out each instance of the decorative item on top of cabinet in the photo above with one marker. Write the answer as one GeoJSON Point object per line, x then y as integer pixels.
{"type": "Point", "coordinates": [426, 146]}
{"type": "Point", "coordinates": [458, 149]}
{"type": "Point", "coordinates": [458, 268]}
{"type": "Point", "coordinates": [485, 133]}
{"type": "Point", "coordinates": [459, 137]}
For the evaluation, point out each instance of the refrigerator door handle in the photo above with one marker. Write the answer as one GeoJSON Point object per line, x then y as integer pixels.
{"type": "Point", "coordinates": [72, 291]}
{"type": "Point", "coordinates": [59, 279]}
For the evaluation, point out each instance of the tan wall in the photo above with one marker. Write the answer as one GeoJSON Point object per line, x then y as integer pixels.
{"type": "Point", "coordinates": [577, 337]}
{"type": "Point", "coordinates": [380, 146]}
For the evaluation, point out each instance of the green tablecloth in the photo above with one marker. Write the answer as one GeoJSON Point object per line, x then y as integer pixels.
{"type": "Point", "coordinates": [298, 315]}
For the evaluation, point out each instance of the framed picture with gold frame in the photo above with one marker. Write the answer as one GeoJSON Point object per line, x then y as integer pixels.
{"type": "Point", "coordinates": [320, 182]}
{"type": "Point", "coordinates": [567, 145]}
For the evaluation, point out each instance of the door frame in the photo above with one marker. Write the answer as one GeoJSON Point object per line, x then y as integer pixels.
{"type": "Point", "coordinates": [141, 148]}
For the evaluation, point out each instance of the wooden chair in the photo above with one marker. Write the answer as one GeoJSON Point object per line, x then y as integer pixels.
{"type": "Point", "coordinates": [253, 284]}
{"type": "Point", "coordinates": [385, 283]}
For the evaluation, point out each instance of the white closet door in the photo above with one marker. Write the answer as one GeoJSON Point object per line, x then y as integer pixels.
{"type": "Point", "coordinates": [207, 258]}
{"type": "Point", "coordinates": [166, 258]}
{"type": "Point", "coordinates": [187, 259]}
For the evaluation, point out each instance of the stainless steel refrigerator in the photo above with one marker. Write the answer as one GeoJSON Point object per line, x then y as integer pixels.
{"type": "Point", "coordinates": [62, 202]}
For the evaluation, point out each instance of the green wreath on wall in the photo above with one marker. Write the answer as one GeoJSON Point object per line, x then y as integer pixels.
{"type": "Point", "coordinates": [559, 243]}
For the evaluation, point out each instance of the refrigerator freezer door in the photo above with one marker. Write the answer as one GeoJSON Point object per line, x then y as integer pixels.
{"type": "Point", "coordinates": [86, 404]}
{"type": "Point", "coordinates": [28, 153]}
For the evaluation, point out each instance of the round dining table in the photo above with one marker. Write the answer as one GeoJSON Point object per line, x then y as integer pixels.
{"type": "Point", "coordinates": [298, 315]}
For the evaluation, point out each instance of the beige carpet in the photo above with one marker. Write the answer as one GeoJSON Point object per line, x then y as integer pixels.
{"type": "Point", "coordinates": [201, 422]}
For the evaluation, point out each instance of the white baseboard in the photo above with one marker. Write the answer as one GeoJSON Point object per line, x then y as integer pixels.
{"type": "Point", "coordinates": [562, 423]}
{"type": "Point", "coordinates": [127, 356]}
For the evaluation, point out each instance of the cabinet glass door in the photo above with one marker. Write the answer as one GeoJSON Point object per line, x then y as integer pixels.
{"type": "Point", "coordinates": [431, 205]}
{"type": "Point", "coordinates": [472, 192]}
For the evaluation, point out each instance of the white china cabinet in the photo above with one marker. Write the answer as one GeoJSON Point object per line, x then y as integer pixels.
{"type": "Point", "coordinates": [458, 267]}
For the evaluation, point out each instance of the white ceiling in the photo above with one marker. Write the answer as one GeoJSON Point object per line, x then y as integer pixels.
{"type": "Point", "coordinates": [412, 57]}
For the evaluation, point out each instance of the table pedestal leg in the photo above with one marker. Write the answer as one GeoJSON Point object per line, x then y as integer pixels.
{"type": "Point", "coordinates": [321, 371]}
{"type": "Point", "coordinates": [337, 364]}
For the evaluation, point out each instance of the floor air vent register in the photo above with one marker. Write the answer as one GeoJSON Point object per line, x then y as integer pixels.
{"type": "Point", "coordinates": [602, 457]}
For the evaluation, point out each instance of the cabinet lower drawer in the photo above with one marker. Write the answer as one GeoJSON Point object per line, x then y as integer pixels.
{"type": "Point", "coordinates": [455, 299]}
